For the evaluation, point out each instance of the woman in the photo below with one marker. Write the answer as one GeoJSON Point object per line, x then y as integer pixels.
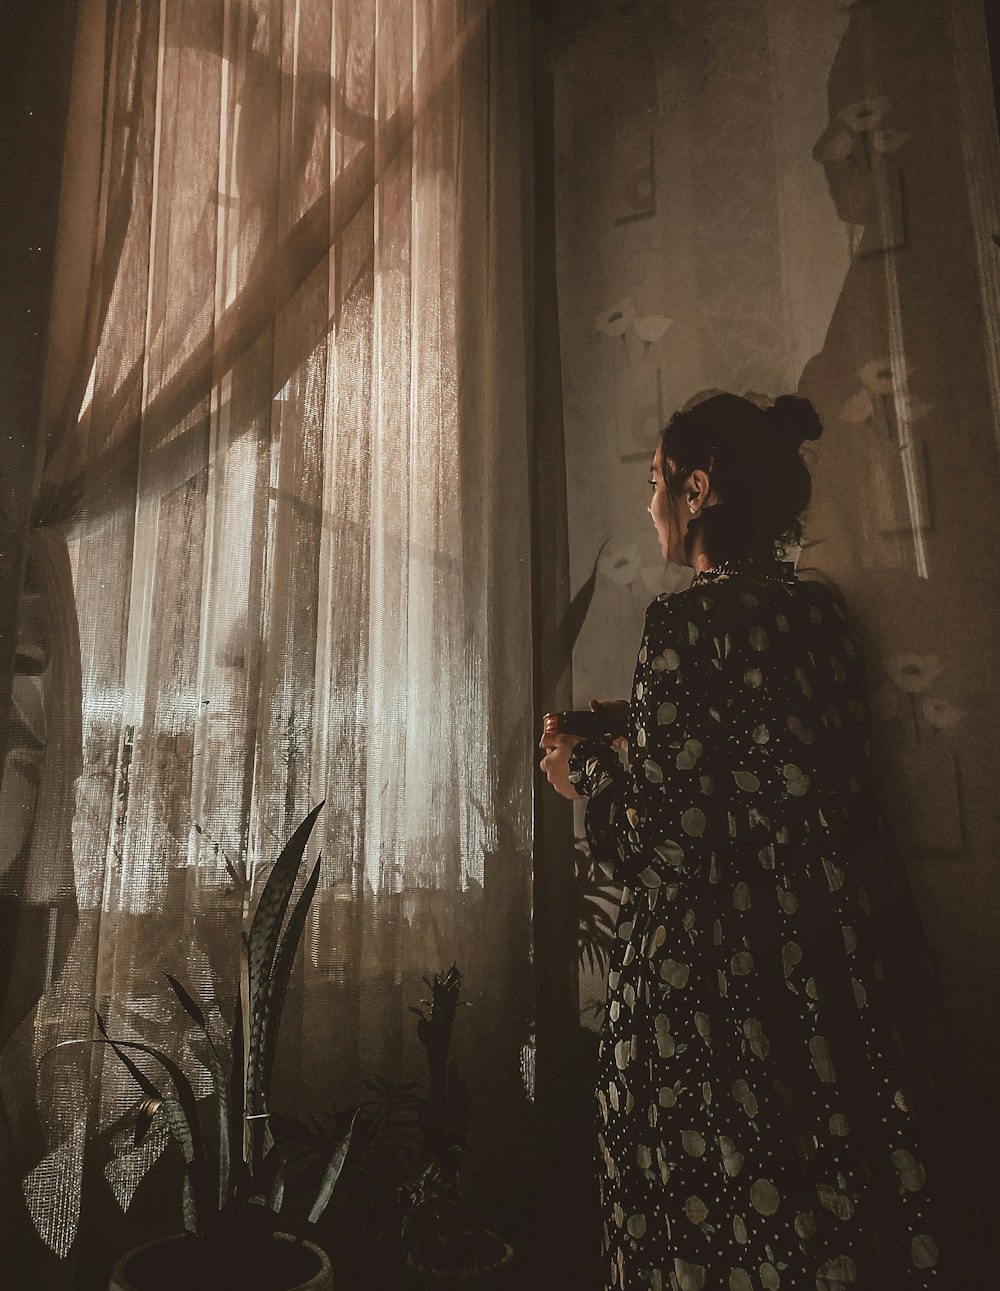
{"type": "Point", "coordinates": [764, 1048]}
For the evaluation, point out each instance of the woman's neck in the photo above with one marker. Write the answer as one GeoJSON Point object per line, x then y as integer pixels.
{"type": "Point", "coordinates": [697, 556]}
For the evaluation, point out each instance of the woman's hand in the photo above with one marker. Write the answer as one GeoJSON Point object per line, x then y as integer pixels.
{"type": "Point", "coordinates": [555, 764]}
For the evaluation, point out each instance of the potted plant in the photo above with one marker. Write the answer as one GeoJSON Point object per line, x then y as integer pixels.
{"type": "Point", "coordinates": [443, 1244]}
{"type": "Point", "coordinates": [402, 1219]}
{"type": "Point", "coordinates": [234, 1187]}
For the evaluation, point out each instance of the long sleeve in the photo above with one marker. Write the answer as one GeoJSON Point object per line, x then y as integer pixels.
{"type": "Point", "coordinates": [765, 991]}
{"type": "Point", "coordinates": [653, 819]}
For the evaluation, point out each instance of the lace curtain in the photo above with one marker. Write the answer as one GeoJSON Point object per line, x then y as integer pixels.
{"type": "Point", "coordinates": [280, 554]}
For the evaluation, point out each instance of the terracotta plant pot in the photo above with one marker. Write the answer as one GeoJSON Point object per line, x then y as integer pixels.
{"type": "Point", "coordinates": [185, 1263]}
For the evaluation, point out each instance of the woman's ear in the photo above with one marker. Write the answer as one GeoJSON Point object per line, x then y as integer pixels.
{"type": "Point", "coordinates": [699, 488]}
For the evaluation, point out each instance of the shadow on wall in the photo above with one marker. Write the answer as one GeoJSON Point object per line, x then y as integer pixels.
{"type": "Point", "coordinates": [902, 386]}
{"type": "Point", "coordinates": [687, 193]}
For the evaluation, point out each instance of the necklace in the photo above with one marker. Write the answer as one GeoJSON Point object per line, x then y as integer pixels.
{"type": "Point", "coordinates": [763, 567]}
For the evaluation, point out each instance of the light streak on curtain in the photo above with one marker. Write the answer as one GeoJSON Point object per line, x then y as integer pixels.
{"type": "Point", "coordinates": [285, 510]}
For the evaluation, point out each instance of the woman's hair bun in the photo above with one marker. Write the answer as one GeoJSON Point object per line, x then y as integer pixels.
{"type": "Point", "coordinates": [795, 419]}
{"type": "Point", "coordinates": [751, 451]}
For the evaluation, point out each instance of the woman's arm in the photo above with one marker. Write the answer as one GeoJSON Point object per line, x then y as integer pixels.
{"type": "Point", "coordinates": [657, 819]}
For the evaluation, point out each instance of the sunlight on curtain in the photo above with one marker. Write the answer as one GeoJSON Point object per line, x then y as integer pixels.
{"type": "Point", "coordinates": [276, 519]}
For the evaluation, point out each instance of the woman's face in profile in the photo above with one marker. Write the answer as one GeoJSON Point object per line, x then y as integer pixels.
{"type": "Point", "coordinates": [666, 514]}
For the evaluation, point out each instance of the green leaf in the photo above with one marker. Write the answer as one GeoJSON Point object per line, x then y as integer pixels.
{"type": "Point", "coordinates": [237, 876]}
{"type": "Point", "coordinates": [181, 1113]}
{"type": "Point", "coordinates": [265, 931]}
{"type": "Point", "coordinates": [190, 1006]}
{"type": "Point", "coordinates": [145, 1118]}
{"type": "Point", "coordinates": [219, 1084]}
{"type": "Point", "coordinates": [185, 1094]}
{"type": "Point", "coordinates": [277, 1194]}
{"type": "Point", "coordinates": [154, 1100]}
{"type": "Point", "coordinates": [332, 1174]}
{"type": "Point", "coordinates": [140, 1077]}
{"type": "Point", "coordinates": [283, 961]}
{"type": "Point", "coordinates": [266, 926]}
{"type": "Point", "coordinates": [189, 1206]}
{"type": "Point", "coordinates": [240, 1128]}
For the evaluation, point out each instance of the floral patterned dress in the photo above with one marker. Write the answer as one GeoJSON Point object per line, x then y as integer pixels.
{"type": "Point", "coordinates": [763, 1060]}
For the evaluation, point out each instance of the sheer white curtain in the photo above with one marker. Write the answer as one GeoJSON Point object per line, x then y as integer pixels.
{"type": "Point", "coordinates": [285, 508]}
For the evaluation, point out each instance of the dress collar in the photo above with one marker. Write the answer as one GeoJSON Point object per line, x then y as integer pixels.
{"type": "Point", "coordinates": [760, 567]}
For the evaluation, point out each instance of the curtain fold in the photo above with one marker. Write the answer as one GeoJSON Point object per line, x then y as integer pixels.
{"type": "Point", "coordinates": [282, 555]}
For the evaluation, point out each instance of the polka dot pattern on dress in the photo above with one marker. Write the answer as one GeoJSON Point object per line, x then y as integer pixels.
{"type": "Point", "coordinates": [756, 1121]}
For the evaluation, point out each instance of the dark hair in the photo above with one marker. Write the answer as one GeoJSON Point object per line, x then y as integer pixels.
{"type": "Point", "coordinates": [752, 456]}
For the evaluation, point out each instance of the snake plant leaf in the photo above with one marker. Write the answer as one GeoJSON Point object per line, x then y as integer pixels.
{"type": "Point", "coordinates": [265, 931]}
{"type": "Point", "coordinates": [185, 1094]}
{"type": "Point", "coordinates": [140, 1077]}
{"type": "Point", "coordinates": [146, 1116]}
{"type": "Point", "coordinates": [236, 1086]}
{"type": "Point", "coordinates": [154, 1100]}
{"type": "Point", "coordinates": [191, 1007]}
{"type": "Point", "coordinates": [189, 1206]}
{"type": "Point", "coordinates": [223, 1115]}
{"type": "Point", "coordinates": [277, 1195]}
{"type": "Point", "coordinates": [179, 1128]}
{"type": "Point", "coordinates": [266, 926]}
{"type": "Point", "coordinates": [219, 1084]}
{"type": "Point", "coordinates": [241, 1058]}
{"type": "Point", "coordinates": [331, 1174]}
{"type": "Point", "coordinates": [181, 1112]}
{"type": "Point", "coordinates": [178, 1122]}
{"type": "Point", "coordinates": [282, 971]}
{"type": "Point", "coordinates": [260, 1183]}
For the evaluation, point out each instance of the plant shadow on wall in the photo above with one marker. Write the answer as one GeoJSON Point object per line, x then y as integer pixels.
{"type": "Point", "coordinates": [921, 734]}
{"type": "Point", "coordinates": [899, 363]}
{"type": "Point", "coordinates": [596, 896]}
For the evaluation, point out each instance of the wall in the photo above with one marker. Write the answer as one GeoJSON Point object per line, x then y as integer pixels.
{"type": "Point", "coordinates": [769, 196]}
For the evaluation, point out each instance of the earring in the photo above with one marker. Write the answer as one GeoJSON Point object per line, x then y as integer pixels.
{"type": "Point", "coordinates": [694, 509]}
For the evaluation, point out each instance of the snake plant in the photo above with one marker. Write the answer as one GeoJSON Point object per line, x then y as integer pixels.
{"type": "Point", "coordinates": [235, 1185]}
